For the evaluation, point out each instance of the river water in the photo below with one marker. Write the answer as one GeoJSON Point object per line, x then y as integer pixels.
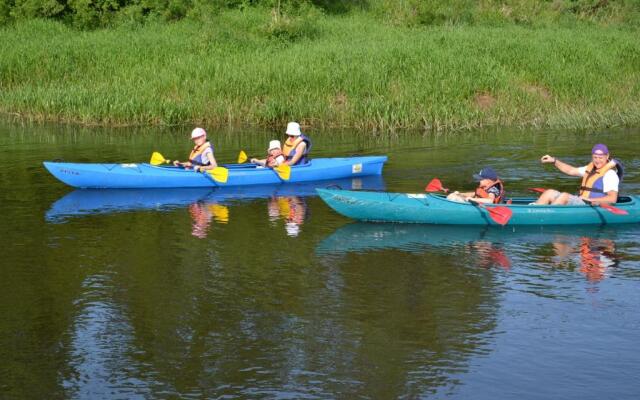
{"type": "Point", "coordinates": [270, 294]}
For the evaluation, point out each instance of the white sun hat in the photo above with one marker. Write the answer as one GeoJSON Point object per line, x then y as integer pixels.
{"type": "Point", "coordinates": [196, 133]}
{"type": "Point", "coordinates": [293, 129]}
{"type": "Point", "coordinates": [274, 144]}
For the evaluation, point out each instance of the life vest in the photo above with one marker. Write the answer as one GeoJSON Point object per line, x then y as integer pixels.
{"type": "Point", "coordinates": [289, 148]}
{"type": "Point", "coordinates": [592, 181]}
{"type": "Point", "coordinates": [272, 158]}
{"type": "Point", "coordinates": [483, 194]}
{"type": "Point", "coordinates": [196, 157]}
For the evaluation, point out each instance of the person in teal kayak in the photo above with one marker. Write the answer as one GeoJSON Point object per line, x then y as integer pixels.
{"type": "Point", "coordinates": [600, 180]}
{"type": "Point", "coordinates": [201, 157]}
{"type": "Point", "coordinates": [490, 188]}
{"type": "Point", "coordinates": [297, 146]}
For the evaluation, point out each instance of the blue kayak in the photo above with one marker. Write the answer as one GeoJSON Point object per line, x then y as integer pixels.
{"type": "Point", "coordinates": [83, 202]}
{"type": "Point", "coordinates": [143, 175]}
{"type": "Point", "coordinates": [436, 209]}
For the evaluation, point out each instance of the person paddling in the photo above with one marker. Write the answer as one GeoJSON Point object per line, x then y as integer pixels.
{"type": "Point", "coordinates": [274, 158]}
{"type": "Point", "coordinates": [600, 180]}
{"type": "Point", "coordinates": [297, 146]}
{"type": "Point", "coordinates": [490, 189]}
{"type": "Point", "coordinates": [201, 157]}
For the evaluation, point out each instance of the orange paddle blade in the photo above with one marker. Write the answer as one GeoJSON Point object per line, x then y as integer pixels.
{"type": "Point", "coordinates": [435, 186]}
{"type": "Point", "coordinates": [501, 215]}
{"type": "Point", "coordinates": [538, 190]}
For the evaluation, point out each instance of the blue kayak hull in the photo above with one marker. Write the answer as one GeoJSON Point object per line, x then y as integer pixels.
{"type": "Point", "coordinates": [436, 209]}
{"type": "Point", "coordinates": [141, 176]}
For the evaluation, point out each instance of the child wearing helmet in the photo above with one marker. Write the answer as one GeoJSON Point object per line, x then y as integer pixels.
{"type": "Point", "coordinates": [201, 157]}
{"type": "Point", "coordinates": [274, 158]}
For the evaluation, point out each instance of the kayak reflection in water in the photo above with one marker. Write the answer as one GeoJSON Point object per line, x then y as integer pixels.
{"type": "Point", "coordinates": [595, 256]}
{"type": "Point", "coordinates": [291, 209]}
{"type": "Point", "coordinates": [202, 214]}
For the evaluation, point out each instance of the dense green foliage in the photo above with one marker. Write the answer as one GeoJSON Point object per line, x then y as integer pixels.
{"type": "Point", "coordinates": [89, 14]}
{"type": "Point", "coordinates": [375, 64]}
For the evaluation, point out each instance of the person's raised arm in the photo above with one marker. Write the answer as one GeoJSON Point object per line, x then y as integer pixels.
{"type": "Point", "coordinates": [562, 166]}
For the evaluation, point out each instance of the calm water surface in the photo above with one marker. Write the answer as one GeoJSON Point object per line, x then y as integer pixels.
{"type": "Point", "coordinates": [269, 294]}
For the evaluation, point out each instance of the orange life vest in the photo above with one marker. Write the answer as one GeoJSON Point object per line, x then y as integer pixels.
{"type": "Point", "coordinates": [271, 159]}
{"type": "Point", "coordinates": [592, 181]}
{"type": "Point", "coordinates": [483, 194]}
{"type": "Point", "coordinates": [196, 154]}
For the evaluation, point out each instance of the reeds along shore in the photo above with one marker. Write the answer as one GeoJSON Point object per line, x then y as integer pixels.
{"type": "Point", "coordinates": [347, 70]}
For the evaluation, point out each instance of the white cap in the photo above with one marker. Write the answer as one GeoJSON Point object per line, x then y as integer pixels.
{"type": "Point", "coordinates": [274, 144]}
{"type": "Point", "coordinates": [293, 129]}
{"type": "Point", "coordinates": [196, 133]}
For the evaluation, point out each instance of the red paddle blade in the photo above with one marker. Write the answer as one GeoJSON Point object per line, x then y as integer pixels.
{"type": "Point", "coordinates": [537, 190]}
{"type": "Point", "coordinates": [435, 186]}
{"type": "Point", "coordinates": [501, 215]}
{"type": "Point", "coordinates": [613, 210]}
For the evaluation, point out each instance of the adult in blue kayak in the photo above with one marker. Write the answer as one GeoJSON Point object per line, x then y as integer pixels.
{"type": "Point", "coordinates": [600, 180]}
{"type": "Point", "coordinates": [201, 157]}
{"type": "Point", "coordinates": [490, 188]}
{"type": "Point", "coordinates": [297, 146]}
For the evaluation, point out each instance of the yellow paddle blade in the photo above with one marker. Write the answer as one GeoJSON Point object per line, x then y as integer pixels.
{"type": "Point", "coordinates": [242, 157]}
{"type": "Point", "coordinates": [219, 174]}
{"type": "Point", "coordinates": [283, 171]}
{"type": "Point", "coordinates": [220, 213]}
{"type": "Point", "coordinates": [157, 159]}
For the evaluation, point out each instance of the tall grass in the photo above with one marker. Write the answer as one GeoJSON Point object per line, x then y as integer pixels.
{"type": "Point", "coordinates": [241, 67]}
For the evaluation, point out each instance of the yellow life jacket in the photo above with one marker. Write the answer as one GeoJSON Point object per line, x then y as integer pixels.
{"type": "Point", "coordinates": [290, 145]}
{"type": "Point", "coordinates": [289, 148]}
{"type": "Point", "coordinates": [592, 185]}
{"type": "Point", "coordinates": [196, 154]}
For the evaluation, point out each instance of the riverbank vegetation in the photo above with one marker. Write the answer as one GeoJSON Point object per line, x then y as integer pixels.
{"type": "Point", "coordinates": [431, 65]}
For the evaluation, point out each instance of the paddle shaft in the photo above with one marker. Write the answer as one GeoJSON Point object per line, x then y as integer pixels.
{"type": "Point", "coordinates": [606, 206]}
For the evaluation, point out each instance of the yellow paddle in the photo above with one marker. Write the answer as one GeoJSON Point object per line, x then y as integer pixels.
{"type": "Point", "coordinates": [283, 170]}
{"type": "Point", "coordinates": [157, 159]}
{"type": "Point", "coordinates": [218, 174]}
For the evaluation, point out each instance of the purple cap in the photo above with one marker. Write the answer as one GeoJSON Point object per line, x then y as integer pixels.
{"type": "Point", "coordinates": [486, 173]}
{"type": "Point", "coordinates": [600, 149]}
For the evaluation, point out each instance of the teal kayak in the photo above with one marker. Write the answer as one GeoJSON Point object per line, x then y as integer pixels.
{"type": "Point", "coordinates": [425, 208]}
{"type": "Point", "coordinates": [143, 175]}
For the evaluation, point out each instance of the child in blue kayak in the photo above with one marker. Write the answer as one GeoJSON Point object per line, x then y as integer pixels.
{"type": "Point", "coordinates": [274, 158]}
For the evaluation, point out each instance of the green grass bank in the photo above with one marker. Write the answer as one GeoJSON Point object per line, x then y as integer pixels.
{"type": "Point", "coordinates": [347, 70]}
